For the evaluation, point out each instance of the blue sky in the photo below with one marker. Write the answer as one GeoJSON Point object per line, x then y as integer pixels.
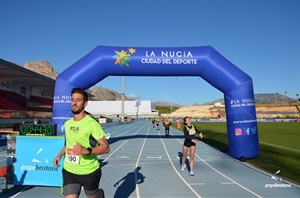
{"type": "Point", "coordinates": [260, 37]}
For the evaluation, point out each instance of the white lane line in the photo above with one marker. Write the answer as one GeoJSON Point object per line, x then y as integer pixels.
{"type": "Point", "coordinates": [137, 189]}
{"type": "Point", "coordinates": [171, 162]}
{"type": "Point", "coordinates": [227, 183]}
{"type": "Point", "coordinates": [222, 173]}
{"type": "Point", "coordinates": [240, 185]}
{"type": "Point", "coordinates": [201, 184]}
{"type": "Point", "coordinates": [121, 145]}
{"type": "Point", "coordinates": [123, 157]}
{"type": "Point", "coordinates": [124, 130]}
{"type": "Point", "coordinates": [197, 184]}
{"type": "Point", "coordinates": [154, 157]}
{"type": "Point", "coordinates": [24, 189]}
{"type": "Point", "coordinates": [17, 194]}
{"type": "Point", "coordinates": [137, 164]}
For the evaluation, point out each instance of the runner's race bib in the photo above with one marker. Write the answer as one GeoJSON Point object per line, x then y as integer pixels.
{"type": "Point", "coordinates": [71, 157]}
{"type": "Point", "coordinates": [192, 132]}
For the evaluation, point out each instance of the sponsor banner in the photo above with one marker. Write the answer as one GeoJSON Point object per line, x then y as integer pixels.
{"type": "Point", "coordinates": [242, 122]}
{"type": "Point", "coordinates": [62, 105]}
{"type": "Point", "coordinates": [34, 161]}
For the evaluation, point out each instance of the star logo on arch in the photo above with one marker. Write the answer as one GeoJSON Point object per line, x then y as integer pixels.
{"type": "Point", "coordinates": [123, 57]}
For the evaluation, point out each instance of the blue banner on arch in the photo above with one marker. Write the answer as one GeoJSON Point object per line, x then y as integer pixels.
{"type": "Point", "coordinates": [203, 61]}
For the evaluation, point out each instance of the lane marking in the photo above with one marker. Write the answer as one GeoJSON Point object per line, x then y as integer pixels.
{"type": "Point", "coordinates": [189, 186]}
{"type": "Point", "coordinates": [240, 185]}
{"type": "Point", "coordinates": [168, 156]}
{"type": "Point", "coordinates": [122, 157]}
{"type": "Point", "coordinates": [23, 189]}
{"type": "Point", "coordinates": [153, 157]}
{"type": "Point", "coordinates": [226, 183]}
{"type": "Point", "coordinates": [221, 172]}
{"type": "Point", "coordinates": [197, 184]}
{"type": "Point", "coordinates": [119, 147]}
{"type": "Point", "coordinates": [201, 184]}
{"type": "Point", "coordinates": [137, 164]}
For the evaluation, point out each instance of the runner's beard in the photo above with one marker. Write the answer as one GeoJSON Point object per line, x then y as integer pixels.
{"type": "Point", "coordinates": [79, 110]}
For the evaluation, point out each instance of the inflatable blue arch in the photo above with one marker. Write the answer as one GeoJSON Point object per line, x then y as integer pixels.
{"type": "Point", "coordinates": [202, 61]}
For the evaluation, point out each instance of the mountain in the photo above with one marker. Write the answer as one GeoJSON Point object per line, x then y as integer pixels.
{"type": "Point", "coordinates": [104, 94]}
{"type": "Point", "coordinates": [165, 104]}
{"type": "Point", "coordinates": [263, 98]}
{"type": "Point", "coordinates": [42, 67]}
{"type": "Point", "coordinates": [95, 93]}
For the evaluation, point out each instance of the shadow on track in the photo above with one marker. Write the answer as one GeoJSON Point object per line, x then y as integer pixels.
{"type": "Point", "coordinates": [129, 183]}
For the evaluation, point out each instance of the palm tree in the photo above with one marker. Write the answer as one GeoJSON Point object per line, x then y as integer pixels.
{"type": "Point", "coordinates": [297, 95]}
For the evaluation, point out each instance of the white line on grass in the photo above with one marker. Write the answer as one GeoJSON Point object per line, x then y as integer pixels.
{"type": "Point", "coordinates": [280, 146]}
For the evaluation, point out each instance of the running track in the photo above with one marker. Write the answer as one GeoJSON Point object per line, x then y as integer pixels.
{"type": "Point", "coordinates": [145, 163]}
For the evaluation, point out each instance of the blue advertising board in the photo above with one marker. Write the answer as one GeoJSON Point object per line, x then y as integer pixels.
{"type": "Point", "coordinates": [34, 160]}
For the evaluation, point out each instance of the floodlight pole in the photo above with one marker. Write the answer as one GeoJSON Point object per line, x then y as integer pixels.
{"type": "Point", "coordinates": [122, 106]}
{"type": "Point", "coordinates": [138, 103]}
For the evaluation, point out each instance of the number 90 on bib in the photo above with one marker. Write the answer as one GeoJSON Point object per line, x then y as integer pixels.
{"type": "Point", "coordinates": [73, 159]}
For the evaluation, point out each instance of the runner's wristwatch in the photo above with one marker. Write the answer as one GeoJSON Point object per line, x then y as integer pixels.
{"type": "Point", "coordinates": [90, 150]}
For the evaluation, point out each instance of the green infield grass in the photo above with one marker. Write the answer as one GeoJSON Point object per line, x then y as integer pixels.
{"type": "Point", "coordinates": [279, 146]}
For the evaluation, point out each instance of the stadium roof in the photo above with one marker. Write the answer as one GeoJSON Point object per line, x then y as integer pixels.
{"type": "Point", "coordinates": [11, 72]}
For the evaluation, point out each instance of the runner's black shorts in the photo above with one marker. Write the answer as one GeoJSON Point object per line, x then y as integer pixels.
{"type": "Point", "coordinates": [188, 143]}
{"type": "Point", "coordinates": [72, 183]}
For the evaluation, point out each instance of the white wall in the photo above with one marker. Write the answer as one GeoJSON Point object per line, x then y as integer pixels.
{"type": "Point", "coordinates": [115, 107]}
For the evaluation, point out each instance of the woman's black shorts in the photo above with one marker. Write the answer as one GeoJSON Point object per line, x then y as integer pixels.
{"type": "Point", "coordinates": [188, 143]}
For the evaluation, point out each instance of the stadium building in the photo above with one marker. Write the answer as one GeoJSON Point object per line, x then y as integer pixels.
{"type": "Point", "coordinates": [25, 95]}
{"type": "Point", "coordinates": [113, 109]}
